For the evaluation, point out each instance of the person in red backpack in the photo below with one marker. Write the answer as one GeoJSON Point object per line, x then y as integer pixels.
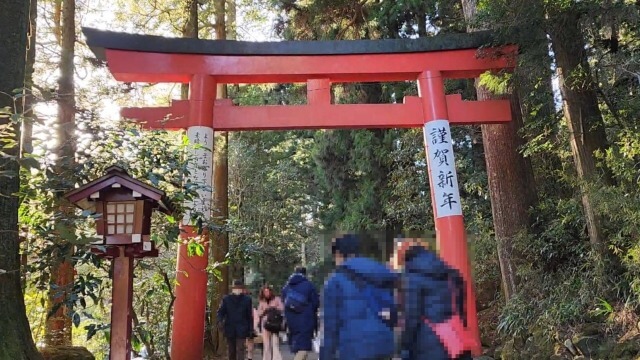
{"type": "Point", "coordinates": [433, 307]}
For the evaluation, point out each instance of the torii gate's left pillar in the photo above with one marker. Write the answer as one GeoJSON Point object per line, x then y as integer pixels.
{"type": "Point", "coordinates": [187, 336]}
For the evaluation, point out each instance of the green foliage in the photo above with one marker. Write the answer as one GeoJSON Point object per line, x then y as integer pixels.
{"type": "Point", "coordinates": [603, 309]}
{"type": "Point", "coordinates": [496, 84]}
{"type": "Point", "coordinates": [409, 201]}
{"type": "Point", "coordinates": [271, 193]}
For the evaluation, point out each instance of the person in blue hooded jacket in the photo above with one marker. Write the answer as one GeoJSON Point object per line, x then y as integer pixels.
{"type": "Point", "coordinates": [302, 321]}
{"type": "Point", "coordinates": [427, 297]}
{"type": "Point", "coordinates": [351, 330]}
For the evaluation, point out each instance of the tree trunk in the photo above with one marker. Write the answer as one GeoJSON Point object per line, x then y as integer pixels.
{"type": "Point", "coordinates": [26, 141]}
{"type": "Point", "coordinates": [26, 131]}
{"type": "Point", "coordinates": [584, 120]}
{"type": "Point", "coordinates": [511, 187]}
{"type": "Point", "coordinates": [57, 16]}
{"type": "Point", "coordinates": [220, 239]}
{"type": "Point", "coordinates": [510, 178]}
{"type": "Point", "coordinates": [58, 327]}
{"type": "Point", "coordinates": [16, 342]}
{"type": "Point", "coordinates": [190, 30]}
{"type": "Point", "coordinates": [230, 24]}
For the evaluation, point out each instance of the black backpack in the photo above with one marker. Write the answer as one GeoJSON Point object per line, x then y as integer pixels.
{"type": "Point", "coordinates": [274, 320]}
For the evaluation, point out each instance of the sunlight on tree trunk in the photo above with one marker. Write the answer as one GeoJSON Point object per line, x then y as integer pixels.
{"type": "Point", "coordinates": [26, 142]}
{"type": "Point", "coordinates": [59, 326]}
{"type": "Point", "coordinates": [26, 131]}
{"type": "Point", "coordinates": [57, 21]}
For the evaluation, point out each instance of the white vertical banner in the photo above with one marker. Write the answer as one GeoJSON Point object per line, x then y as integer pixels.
{"type": "Point", "coordinates": [201, 170]}
{"type": "Point", "coordinates": [442, 167]}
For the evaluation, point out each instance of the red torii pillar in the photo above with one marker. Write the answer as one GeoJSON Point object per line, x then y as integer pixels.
{"type": "Point", "coordinates": [187, 336]}
{"type": "Point", "coordinates": [451, 236]}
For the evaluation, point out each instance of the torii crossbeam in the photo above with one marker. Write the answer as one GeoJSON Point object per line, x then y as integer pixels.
{"type": "Point", "coordinates": [205, 63]}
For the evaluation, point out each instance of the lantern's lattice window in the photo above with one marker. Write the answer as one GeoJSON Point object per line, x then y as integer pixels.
{"type": "Point", "coordinates": [120, 217]}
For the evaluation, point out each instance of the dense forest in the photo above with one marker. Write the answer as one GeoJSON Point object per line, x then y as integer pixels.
{"type": "Point", "coordinates": [551, 201]}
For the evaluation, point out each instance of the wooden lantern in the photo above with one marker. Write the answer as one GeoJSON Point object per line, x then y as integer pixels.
{"type": "Point", "coordinates": [123, 206]}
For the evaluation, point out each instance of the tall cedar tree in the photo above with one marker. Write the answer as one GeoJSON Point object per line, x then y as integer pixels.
{"type": "Point", "coordinates": [16, 342]}
{"type": "Point", "coordinates": [510, 177]}
{"type": "Point", "coordinates": [58, 328]}
{"type": "Point", "coordinates": [219, 237]}
{"type": "Point", "coordinates": [190, 30]}
{"type": "Point", "coordinates": [582, 113]}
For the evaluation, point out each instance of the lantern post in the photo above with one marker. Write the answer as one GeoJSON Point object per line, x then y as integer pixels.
{"type": "Point", "coordinates": [123, 207]}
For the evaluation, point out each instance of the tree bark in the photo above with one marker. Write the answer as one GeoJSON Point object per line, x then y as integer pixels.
{"type": "Point", "coordinates": [584, 120]}
{"type": "Point", "coordinates": [16, 342]}
{"type": "Point", "coordinates": [220, 28]}
{"type": "Point", "coordinates": [230, 24]}
{"type": "Point", "coordinates": [58, 326]}
{"type": "Point", "coordinates": [190, 30]}
{"type": "Point", "coordinates": [26, 141]}
{"type": "Point", "coordinates": [510, 176]}
{"type": "Point", "coordinates": [511, 187]}
{"type": "Point", "coordinates": [57, 20]}
{"type": "Point", "coordinates": [220, 238]}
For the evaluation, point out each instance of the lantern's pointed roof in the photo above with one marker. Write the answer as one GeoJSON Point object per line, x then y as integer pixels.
{"type": "Point", "coordinates": [117, 175]}
{"type": "Point", "coordinates": [99, 40]}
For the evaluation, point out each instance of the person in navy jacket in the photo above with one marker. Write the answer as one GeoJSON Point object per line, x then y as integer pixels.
{"type": "Point", "coordinates": [302, 324]}
{"type": "Point", "coordinates": [426, 295]}
{"type": "Point", "coordinates": [236, 317]}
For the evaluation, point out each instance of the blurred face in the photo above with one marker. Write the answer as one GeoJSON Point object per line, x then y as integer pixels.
{"type": "Point", "coordinates": [338, 258]}
{"type": "Point", "coordinates": [398, 259]}
{"type": "Point", "coordinates": [266, 293]}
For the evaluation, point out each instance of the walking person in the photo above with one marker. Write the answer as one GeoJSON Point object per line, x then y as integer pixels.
{"type": "Point", "coordinates": [271, 319]}
{"type": "Point", "coordinates": [359, 312]}
{"type": "Point", "coordinates": [301, 302]}
{"type": "Point", "coordinates": [434, 306]}
{"type": "Point", "coordinates": [235, 315]}
{"type": "Point", "coordinates": [253, 334]}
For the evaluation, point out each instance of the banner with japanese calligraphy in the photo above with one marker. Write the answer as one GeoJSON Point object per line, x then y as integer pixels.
{"type": "Point", "coordinates": [200, 169]}
{"type": "Point", "coordinates": [444, 181]}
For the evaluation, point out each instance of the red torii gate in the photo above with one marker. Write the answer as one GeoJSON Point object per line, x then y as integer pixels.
{"type": "Point", "coordinates": [205, 63]}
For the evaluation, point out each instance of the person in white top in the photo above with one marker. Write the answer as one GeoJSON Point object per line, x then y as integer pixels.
{"type": "Point", "coordinates": [270, 341]}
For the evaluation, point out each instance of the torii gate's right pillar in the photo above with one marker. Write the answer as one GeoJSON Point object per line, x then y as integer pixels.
{"type": "Point", "coordinates": [445, 195]}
